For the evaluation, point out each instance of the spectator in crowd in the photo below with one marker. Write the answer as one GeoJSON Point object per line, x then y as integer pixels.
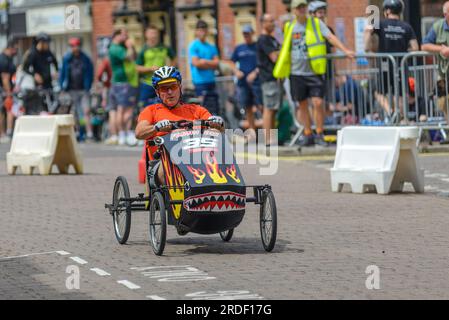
{"type": "Point", "coordinates": [267, 55]}
{"type": "Point", "coordinates": [307, 49]}
{"type": "Point", "coordinates": [39, 61]}
{"type": "Point", "coordinates": [123, 96]}
{"type": "Point", "coordinates": [76, 78]}
{"type": "Point", "coordinates": [394, 36]}
{"type": "Point", "coordinates": [349, 99]}
{"type": "Point", "coordinates": [153, 56]}
{"type": "Point", "coordinates": [204, 60]}
{"type": "Point", "coordinates": [437, 41]}
{"type": "Point", "coordinates": [7, 70]}
{"type": "Point", "coordinates": [104, 78]}
{"type": "Point", "coordinates": [245, 69]}
{"type": "Point", "coordinates": [416, 105]}
{"type": "Point", "coordinates": [318, 9]}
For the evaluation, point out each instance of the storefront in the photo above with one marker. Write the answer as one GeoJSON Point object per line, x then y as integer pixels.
{"type": "Point", "coordinates": [60, 19]}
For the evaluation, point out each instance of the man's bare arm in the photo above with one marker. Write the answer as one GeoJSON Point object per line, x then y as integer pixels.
{"type": "Point", "coordinates": [144, 130]}
{"type": "Point", "coordinates": [430, 47]}
{"type": "Point", "coordinates": [205, 64]}
{"type": "Point", "coordinates": [199, 63]}
{"type": "Point", "coordinates": [6, 81]}
{"type": "Point", "coordinates": [367, 38]}
{"type": "Point", "coordinates": [413, 45]}
{"type": "Point", "coordinates": [338, 44]}
{"type": "Point", "coordinates": [274, 56]}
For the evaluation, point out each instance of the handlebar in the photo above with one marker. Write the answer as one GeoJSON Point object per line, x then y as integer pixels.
{"type": "Point", "coordinates": [180, 125]}
{"type": "Point", "coordinates": [186, 124]}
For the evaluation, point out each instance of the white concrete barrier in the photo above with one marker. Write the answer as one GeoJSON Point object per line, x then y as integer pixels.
{"type": "Point", "coordinates": [43, 141]}
{"type": "Point", "coordinates": [383, 157]}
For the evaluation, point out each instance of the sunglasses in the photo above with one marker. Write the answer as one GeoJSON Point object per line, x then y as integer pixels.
{"type": "Point", "coordinates": [166, 88]}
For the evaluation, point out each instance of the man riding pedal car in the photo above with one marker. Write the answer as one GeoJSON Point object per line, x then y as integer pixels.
{"type": "Point", "coordinates": [155, 120]}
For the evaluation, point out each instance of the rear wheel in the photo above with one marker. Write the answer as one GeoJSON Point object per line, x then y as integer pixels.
{"type": "Point", "coordinates": [227, 235]}
{"type": "Point", "coordinates": [122, 210]}
{"type": "Point", "coordinates": [268, 220]}
{"type": "Point", "coordinates": [158, 223]}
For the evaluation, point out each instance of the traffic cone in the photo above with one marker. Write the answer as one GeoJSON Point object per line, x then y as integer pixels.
{"type": "Point", "coordinates": [142, 166]}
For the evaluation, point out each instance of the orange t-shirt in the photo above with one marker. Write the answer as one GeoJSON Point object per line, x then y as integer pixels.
{"type": "Point", "coordinates": [158, 112]}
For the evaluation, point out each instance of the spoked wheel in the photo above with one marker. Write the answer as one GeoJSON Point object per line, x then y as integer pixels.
{"type": "Point", "coordinates": [158, 223]}
{"type": "Point", "coordinates": [227, 235]}
{"type": "Point", "coordinates": [268, 220]}
{"type": "Point", "coordinates": [122, 210]}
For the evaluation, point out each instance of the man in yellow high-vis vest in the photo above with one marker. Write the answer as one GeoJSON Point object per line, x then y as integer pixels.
{"type": "Point", "coordinates": [308, 68]}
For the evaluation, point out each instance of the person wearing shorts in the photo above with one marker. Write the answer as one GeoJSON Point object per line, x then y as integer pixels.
{"type": "Point", "coordinates": [305, 82]}
{"type": "Point", "coordinates": [203, 61]}
{"type": "Point", "coordinates": [267, 54]}
{"type": "Point", "coordinates": [394, 36]}
{"type": "Point", "coordinates": [245, 68]}
{"type": "Point", "coordinates": [123, 96]}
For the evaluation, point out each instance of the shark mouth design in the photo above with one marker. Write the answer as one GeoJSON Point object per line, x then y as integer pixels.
{"type": "Point", "coordinates": [215, 202]}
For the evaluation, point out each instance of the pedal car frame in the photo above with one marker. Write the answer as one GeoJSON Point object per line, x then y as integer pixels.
{"type": "Point", "coordinates": [208, 208]}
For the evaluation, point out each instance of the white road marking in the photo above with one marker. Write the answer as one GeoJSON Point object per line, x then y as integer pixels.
{"type": "Point", "coordinates": [63, 253]}
{"type": "Point", "coordinates": [100, 272]}
{"type": "Point", "coordinates": [436, 175]}
{"type": "Point", "coordinates": [224, 295]}
{"type": "Point", "coordinates": [174, 273]}
{"type": "Point", "coordinates": [156, 298]}
{"type": "Point", "coordinates": [27, 255]}
{"type": "Point", "coordinates": [78, 260]}
{"type": "Point", "coordinates": [129, 284]}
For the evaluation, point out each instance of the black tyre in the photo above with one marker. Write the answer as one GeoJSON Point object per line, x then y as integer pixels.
{"type": "Point", "coordinates": [122, 210]}
{"type": "Point", "coordinates": [268, 220]}
{"type": "Point", "coordinates": [158, 223]}
{"type": "Point", "coordinates": [227, 235]}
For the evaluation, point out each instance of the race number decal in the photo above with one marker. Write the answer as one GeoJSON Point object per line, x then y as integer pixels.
{"type": "Point", "coordinates": [200, 143]}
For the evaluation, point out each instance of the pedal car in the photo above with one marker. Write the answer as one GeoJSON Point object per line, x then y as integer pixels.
{"type": "Point", "coordinates": [204, 191]}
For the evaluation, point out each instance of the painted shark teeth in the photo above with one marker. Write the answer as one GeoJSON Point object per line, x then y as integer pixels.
{"type": "Point", "coordinates": [215, 202]}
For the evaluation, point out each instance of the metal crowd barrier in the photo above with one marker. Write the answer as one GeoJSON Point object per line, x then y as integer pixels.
{"type": "Point", "coordinates": [425, 92]}
{"type": "Point", "coordinates": [364, 90]}
{"type": "Point", "coordinates": [371, 89]}
{"type": "Point", "coordinates": [360, 91]}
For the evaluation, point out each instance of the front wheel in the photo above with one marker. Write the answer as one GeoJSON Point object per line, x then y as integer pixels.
{"type": "Point", "coordinates": [121, 210]}
{"type": "Point", "coordinates": [268, 220]}
{"type": "Point", "coordinates": [227, 235]}
{"type": "Point", "coordinates": [158, 223]}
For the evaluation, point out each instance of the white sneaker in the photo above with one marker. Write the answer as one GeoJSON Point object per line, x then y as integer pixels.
{"type": "Point", "coordinates": [122, 139]}
{"type": "Point", "coordinates": [112, 141]}
{"type": "Point", "coordinates": [90, 136]}
{"type": "Point", "coordinates": [131, 139]}
{"type": "Point", "coordinates": [5, 139]}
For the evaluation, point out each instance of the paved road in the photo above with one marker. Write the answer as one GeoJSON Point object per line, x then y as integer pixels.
{"type": "Point", "coordinates": [50, 227]}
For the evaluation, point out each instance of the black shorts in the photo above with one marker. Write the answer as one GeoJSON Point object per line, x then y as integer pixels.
{"type": "Point", "coordinates": [304, 87]}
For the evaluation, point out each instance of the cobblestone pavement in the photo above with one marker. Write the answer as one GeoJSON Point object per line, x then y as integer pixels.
{"type": "Point", "coordinates": [50, 226]}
